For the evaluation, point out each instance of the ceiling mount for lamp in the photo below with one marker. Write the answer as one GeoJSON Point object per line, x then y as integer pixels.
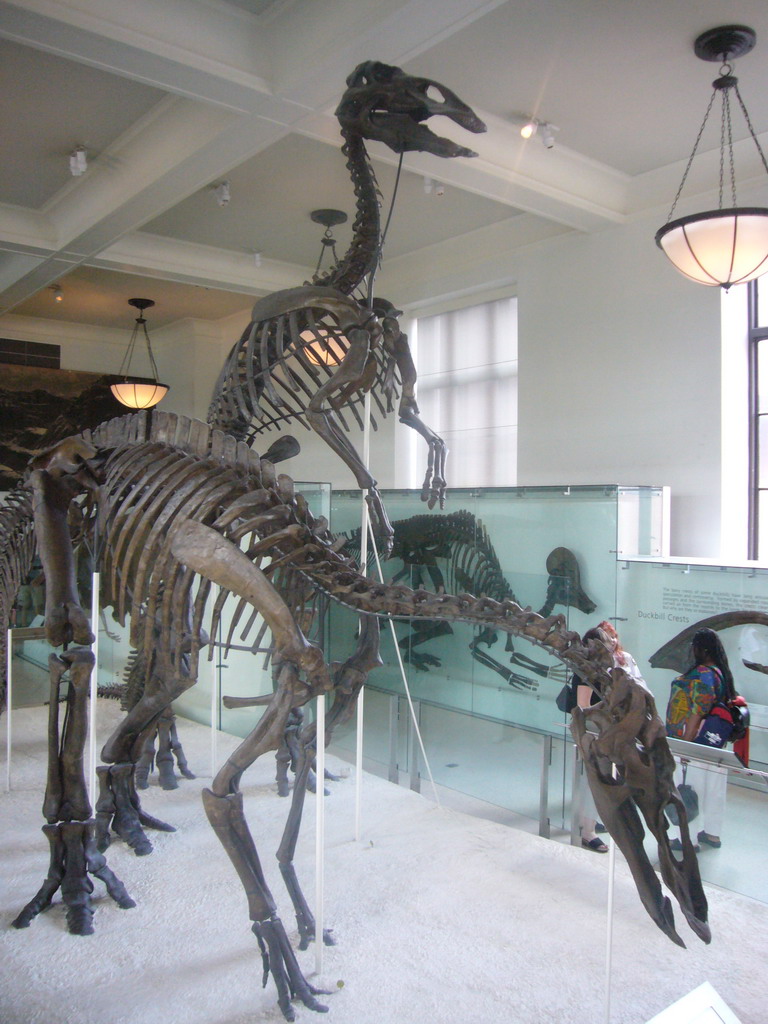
{"type": "Point", "coordinates": [329, 219]}
{"type": "Point", "coordinates": [728, 245]}
{"type": "Point", "coordinates": [139, 392]}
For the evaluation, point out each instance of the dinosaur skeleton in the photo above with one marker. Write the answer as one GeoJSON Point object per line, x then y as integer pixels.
{"type": "Point", "coordinates": [181, 507]}
{"type": "Point", "coordinates": [456, 552]}
{"type": "Point", "coordinates": [271, 375]}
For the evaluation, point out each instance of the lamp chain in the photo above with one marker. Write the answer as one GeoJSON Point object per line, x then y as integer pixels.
{"type": "Point", "coordinates": [125, 366]}
{"type": "Point", "coordinates": [751, 129]}
{"type": "Point", "coordinates": [726, 138]}
{"type": "Point", "coordinates": [327, 241]}
{"type": "Point", "coordinates": [693, 154]}
{"type": "Point", "coordinates": [149, 350]}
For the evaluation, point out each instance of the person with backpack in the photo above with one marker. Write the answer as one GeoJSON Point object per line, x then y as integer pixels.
{"type": "Point", "coordinates": [698, 711]}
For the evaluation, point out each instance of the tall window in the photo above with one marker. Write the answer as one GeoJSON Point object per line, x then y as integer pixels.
{"type": "Point", "coordinates": [467, 390]}
{"type": "Point", "coordinates": [758, 376]}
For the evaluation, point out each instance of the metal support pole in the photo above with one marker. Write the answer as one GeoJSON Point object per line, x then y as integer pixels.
{"type": "Point", "coordinates": [609, 928]}
{"type": "Point", "coordinates": [319, 832]}
{"type": "Point", "coordinates": [215, 688]}
{"type": "Point", "coordinates": [8, 706]}
{"type": "Point", "coordinates": [546, 761]}
{"type": "Point", "coordinates": [576, 801]}
{"type": "Point", "coordinates": [94, 689]}
{"type": "Point", "coordinates": [363, 566]}
{"type": "Point", "coordinates": [394, 715]}
{"type": "Point", "coordinates": [413, 746]}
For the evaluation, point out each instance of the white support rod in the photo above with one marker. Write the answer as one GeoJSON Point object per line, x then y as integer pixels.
{"type": "Point", "coordinates": [407, 688]}
{"type": "Point", "coordinates": [8, 707]}
{"type": "Point", "coordinates": [319, 832]}
{"type": "Point", "coordinates": [360, 719]}
{"type": "Point", "coordinates": [94, 690]}
{"type": "Point", "coordinates": [359, 765]}
{"type": "Point", "coordinates": [215, 693]}
{"type": "Point", "coordinates": [609, 928]}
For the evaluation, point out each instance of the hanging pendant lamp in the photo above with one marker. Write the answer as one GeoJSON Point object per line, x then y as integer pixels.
{"type": "Point", "coordinates": [725, 246]}
{"type": "Point", "coordinates": [139, 392]}
{"type": "Point", "coordinates": [325, 346]}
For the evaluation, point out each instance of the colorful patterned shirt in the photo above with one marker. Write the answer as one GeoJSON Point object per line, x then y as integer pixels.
{"type": "Point", "coordinates": [694, 693]}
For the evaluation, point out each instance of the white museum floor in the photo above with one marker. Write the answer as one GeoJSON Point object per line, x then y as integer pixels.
{"type": "Point", "coordinates": [440, 918]}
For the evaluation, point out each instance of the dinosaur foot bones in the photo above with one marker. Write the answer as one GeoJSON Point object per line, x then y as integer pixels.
{"type": "Point", "coordinates": [279, 960]}
{"type": "Point", "coordinates": [168, 747]}
{"type": "Point", "coordinates": [74, 857]}
{"type": "Point", "coordinates": [118, 806]}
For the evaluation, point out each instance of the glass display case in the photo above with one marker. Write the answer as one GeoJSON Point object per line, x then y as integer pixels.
{"type": "Point", "coordinates": [661, 602]}
{"type": "Point", "coordinates": [552, 549]}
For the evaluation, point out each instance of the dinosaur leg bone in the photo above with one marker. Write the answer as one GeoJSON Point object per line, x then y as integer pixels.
{"type": "Point", "coordinates": [208, 553]}
{"type": "Point", "coordinates": [73, 855]}
{"type": "Point", "coordinates": [65, 620]}
{"type": "Point", "coordinates": [224, 807]}
{"type": "Point", "coordinates": [349, 678]}
{"type": "Point", "coordinates": [215, 557]}
{"type": "Point", "coordinates": [433, 488]}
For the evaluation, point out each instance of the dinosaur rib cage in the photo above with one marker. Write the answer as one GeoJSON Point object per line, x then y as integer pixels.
{"type": "Point", "coordinates": [155, 479]}
{"type": "Point", "coordinates": [270, 377]}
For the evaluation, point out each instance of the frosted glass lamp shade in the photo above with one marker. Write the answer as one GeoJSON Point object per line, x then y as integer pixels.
{"type": "Point", "coordinates": [139, 394]}
{"type": "Point", "coordinates": [322, 347]}
{"type": "Point", "coordinates": [719, 247]}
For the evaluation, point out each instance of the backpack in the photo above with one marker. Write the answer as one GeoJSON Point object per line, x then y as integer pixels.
{"type": "Point", "coordinates": [566, 699]}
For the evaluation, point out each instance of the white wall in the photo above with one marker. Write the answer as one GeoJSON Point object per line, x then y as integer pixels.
{"type": "Point", "coordinates": [620, 376]}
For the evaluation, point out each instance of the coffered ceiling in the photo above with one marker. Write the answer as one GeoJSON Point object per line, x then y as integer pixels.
{"type": "Point", "coordinates": [171, 97]}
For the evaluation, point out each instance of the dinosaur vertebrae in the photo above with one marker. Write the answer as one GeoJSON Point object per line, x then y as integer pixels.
{"type": "Point", "coordinates": [363, 254]}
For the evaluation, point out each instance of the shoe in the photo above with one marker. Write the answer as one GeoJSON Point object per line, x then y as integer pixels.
{"type": "Point", "coordinates": [677, 846]}
{"type": "Point", "coordinates": [709, 840]}
{"type": "Point", "coordinates": [600, 827]}
{"type": "Point", "coordinates": [595, 844]}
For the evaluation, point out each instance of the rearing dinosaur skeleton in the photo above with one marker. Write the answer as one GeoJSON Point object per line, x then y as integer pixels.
{"type": "Point", "coordinates": [274, 374]}
{"type": "Point", "coordinates": [181, 507]}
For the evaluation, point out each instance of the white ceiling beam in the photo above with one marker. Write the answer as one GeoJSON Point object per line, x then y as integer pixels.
{"type": "Point", "coordinates": [558, 183]}
{"type": "Point", "coordinates": [306, 40]}
{"type": "Point", "coordinates": [172, 260]}
{"type": "Point", "coordinates": [217, 55]}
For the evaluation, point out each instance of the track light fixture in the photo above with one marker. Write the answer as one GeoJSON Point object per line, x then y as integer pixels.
{"type": "Point", "coordinates": [530, 126]}
{"type": "Point", "coordinates": [433, 188]}
{"type": "Point", "coordinates": [78, 161]}
{"type": "Point", "coordinates": [723, 246]}
{"type": "Point", "coordinates": [58, 294]}
{"type": "Point", "coordinates": [139, 392]}
{"type": "Point", "coordinates": [222, 192]}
